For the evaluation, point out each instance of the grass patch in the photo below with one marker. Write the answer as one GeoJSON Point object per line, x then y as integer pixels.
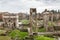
{"type": "Point", "coordinates": [25, 21]}
{"type": "Point", "coordinates": [2, 31]}
{"type": "Point", "coordinates": [5, 38]}
{"type": "Point", "coordinates": [42, 30]}
{"type": "Point", "coordinates": [43, 38]}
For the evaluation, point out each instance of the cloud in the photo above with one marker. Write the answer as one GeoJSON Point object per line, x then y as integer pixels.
{"type": "Point", "coordinates": [25, 5]}
{"type": "Point", "coordinates": [50, 2]}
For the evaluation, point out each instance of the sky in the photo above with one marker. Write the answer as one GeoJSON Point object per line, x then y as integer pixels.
{"type": "Point", "coordinates": [16, 6]}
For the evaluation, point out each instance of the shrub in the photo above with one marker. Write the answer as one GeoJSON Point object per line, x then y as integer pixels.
{"type": "Point", "coordinates": [15, 33]}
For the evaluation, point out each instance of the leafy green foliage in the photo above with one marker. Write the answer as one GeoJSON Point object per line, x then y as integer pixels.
{"type": "Point", "coordinates": [43, 38]}
{"type": "Point", "coordinates": [18, 33]}
{"type": "Point", "coordinates": [25, 21]}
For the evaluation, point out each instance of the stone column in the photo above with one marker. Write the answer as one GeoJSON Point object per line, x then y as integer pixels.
{"type": "Point", "coordinates": [33, 11]}
{"type": "Point", "coordinates": [17, 25]}
{"type": "Point", "coordinates": [46, 19]}
{"type": "Point", "coordinates": [52, 22]}
{"type": "Point", "coordinates": [30, 19]}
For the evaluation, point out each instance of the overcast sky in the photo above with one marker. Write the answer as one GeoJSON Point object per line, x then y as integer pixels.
{"type": "Point", "coordinates": [25, 5]}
